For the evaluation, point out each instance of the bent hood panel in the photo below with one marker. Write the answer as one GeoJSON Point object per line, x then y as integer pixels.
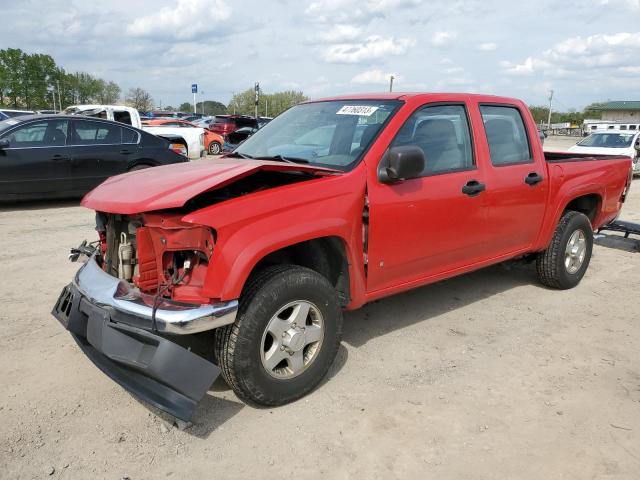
{"type": "Point", "coordinates": [171, 186]}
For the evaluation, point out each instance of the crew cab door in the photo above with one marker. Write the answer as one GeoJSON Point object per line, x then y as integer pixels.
{"type": "Point", "coordinates": [517, 183]}
{"type": "Point", "coordinates": [35, 160]}
{"type": "Point", "coordinates": [426, 226]}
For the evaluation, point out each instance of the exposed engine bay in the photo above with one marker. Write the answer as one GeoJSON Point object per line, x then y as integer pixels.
{"type": "Point", "coordinates": [164, 256]}
{"type": "Point", "coordinates": [157, 252]}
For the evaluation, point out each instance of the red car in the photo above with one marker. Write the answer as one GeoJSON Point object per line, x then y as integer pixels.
{"type": "Point", "coordinates": [226, 124]}
{"type": "Point", "coordinates": [333, 204]}
{"type": "Point", "coordinates": [213, 141]}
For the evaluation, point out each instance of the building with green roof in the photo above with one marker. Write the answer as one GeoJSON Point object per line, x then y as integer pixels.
{"type": "Point", "coordinates": [620, 111]}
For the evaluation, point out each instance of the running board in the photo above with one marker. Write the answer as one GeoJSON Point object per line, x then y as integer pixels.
{"type": "Point", "coordinates": [628, 228]}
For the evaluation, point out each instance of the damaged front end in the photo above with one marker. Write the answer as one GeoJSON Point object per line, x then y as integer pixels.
{"type": "Point", "coordinates": [138, 290]}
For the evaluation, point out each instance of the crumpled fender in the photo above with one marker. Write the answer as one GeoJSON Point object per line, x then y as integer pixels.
{"type": "Point", "coordinates": [249, 228]}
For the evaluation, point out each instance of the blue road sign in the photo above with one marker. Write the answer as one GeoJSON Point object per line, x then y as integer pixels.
{"type": "Point", "coordinates": [194, 88]}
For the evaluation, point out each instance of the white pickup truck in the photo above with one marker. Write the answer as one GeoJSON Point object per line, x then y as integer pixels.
{"type": "Point", "coordinates": [192, 138]}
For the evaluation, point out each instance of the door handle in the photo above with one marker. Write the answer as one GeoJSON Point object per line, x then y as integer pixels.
{"type": "Point", "coordinates": [532, 179]}
{"type": "Point", "coordinates": [59, 158]}
{"type": "Point", "coordinates": [124, 151]}
{"type": "Point", "coordinates": [473, 188]}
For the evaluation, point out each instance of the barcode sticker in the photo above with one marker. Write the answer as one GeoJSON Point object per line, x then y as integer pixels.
{"type": "Point", "coordinates": [362, 110]}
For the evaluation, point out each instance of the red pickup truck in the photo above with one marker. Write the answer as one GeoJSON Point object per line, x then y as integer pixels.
{"type": "Point", "coordinates": [335, 203]}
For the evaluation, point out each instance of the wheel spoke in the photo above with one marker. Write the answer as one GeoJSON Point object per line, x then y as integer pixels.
{"type": "Point", "coordinates": [313, 334]}
{"type": "Point", "coordinates": [300, 314]}
{"type": "Point", "coordinates": [296, 361]}
{"type": "Point", "coordinates": [277, 327]}
{"type": "Point", "coordinates": [274, 356]}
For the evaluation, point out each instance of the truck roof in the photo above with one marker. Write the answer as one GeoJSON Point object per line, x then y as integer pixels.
{"type": "Point", "coordinates": [426, 95]}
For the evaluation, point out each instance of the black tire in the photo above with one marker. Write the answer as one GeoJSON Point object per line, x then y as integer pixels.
{"type": "Point", "coordinates": [140, 166]}
{"type": "Point", "coordinates": [550, 264]}
{"type": "Point", "coordinates": [238, 346]}
{"type": "Point", "coordinates": [215, 148]}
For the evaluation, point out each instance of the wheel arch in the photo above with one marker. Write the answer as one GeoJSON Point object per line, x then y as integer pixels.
{"type": "Point", "coordinates": [325, 255]}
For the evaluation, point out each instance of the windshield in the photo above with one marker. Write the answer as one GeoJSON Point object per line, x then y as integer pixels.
{"type": "Point", "coordinates": [608, 140]}
{"type": "Point", "coordinates": [333, 134]}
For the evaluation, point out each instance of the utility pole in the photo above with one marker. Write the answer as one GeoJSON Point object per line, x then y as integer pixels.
{"type": "Point", "coordinates": [266, 107]}
{"type": "Point", "coordinates": [53, 94]}
{"type": "Point", "coordinates": [257, 89]}
{"type": "Point", "coordinates": [391, 83]}
{"type": "Point", "coordinates": [59, 98]}
{"type": "Point", "coordinates": [549, 118]}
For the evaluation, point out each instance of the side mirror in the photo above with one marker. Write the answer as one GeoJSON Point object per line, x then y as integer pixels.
{"type": "Point", "coordinates": [4, 143]}
{"type": "Point", "coordinates": [637, 145]}
{"type": "Point", "coordinates": [401, 163]}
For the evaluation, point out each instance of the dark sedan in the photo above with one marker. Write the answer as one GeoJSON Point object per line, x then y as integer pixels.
{"type": "Point", "coordinates": [55, 156]}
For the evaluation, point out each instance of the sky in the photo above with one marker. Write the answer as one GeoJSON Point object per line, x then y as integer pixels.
{"type": "Point", "coordinates": [586, 50]}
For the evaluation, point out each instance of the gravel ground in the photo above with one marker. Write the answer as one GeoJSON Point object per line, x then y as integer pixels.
{"type": "Point", "coordinates": [485, 376]}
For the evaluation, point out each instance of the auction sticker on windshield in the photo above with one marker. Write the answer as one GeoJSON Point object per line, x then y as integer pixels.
{"type": "Point", "coordinates": [363, 110]}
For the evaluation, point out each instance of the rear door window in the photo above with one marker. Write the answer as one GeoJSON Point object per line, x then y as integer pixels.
{"type": "Point", "coordinates": [130, 136]}
{"type": "Point", "coordinates": [87, 132]}
{"type": "Point", "coordinates": [506, 135]}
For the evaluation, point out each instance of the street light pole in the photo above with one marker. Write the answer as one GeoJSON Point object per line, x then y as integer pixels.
{"type": "Point", "coordinates": [391, 83]}
{"type": "Point", "coordinates": [549, 118]}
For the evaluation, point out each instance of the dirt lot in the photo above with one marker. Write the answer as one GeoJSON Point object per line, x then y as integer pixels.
{"type": "Point", "coordinates": [486, 376]}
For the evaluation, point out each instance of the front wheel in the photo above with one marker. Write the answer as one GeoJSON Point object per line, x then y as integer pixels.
{"type": "Point", "coordinates": [285, 337]}
{"type": "Point", "coordinates": [214, 148]}
{"type": "Point", "coordinates": [563, 264]}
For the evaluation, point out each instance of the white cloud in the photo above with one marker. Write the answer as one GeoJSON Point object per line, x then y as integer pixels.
{"type": "Point", "coordinates": [374, 77]}
{"type": "Point", "coordinates": [596, 52]}
{"type": "Point", "coordinates": [186, 20]}
{"type": "Point", "coordinates": [371, 48]}
{"type": "Point", "coordinates": [341, 33]}
{"type": "Point", "coordinates": [632, 4]}
{"type": "Point", "coordinates": [487, 47]}
{"type": "Point", "coordinates": [355, 11]}
{"type": "Point", "coordinates": [443, 39]}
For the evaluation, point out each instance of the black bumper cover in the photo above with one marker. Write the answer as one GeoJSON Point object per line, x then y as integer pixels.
{"type": "Point", "coordinates": [149, 366]}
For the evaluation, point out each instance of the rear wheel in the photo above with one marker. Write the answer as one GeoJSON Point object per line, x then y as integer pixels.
{"type": "Point", "coordinates": [141, 166]}
{"type": "Point", "coordinates": [214, 148]}
{"type": "Point", "coordinates": [285, 337]}
{"type": "Point", "coordinates": [563, 264]}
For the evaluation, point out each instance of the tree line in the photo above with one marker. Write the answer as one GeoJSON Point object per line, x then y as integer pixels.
{"type": "Point", "coordinates": [269, 104]}
{"type": "Point", "coordinates": [31, 81]}
{"type": "Point", "coordinates": [541, 114]}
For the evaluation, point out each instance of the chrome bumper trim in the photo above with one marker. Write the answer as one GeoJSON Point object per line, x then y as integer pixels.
{"type": "Point", "coordinates": [171, 317]}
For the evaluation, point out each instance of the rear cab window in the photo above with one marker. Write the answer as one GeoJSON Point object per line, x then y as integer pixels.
{"type": "Point", "coordinates": [506, 135]}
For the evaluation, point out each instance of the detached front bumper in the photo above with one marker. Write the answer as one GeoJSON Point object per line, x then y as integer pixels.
{"type": "Point", "coordinates": [111, 322]}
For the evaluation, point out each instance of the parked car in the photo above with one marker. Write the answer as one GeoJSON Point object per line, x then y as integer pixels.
{"type": "Point", "coordinates": [5, 113]}
{"type": "Point", "coordinates": [235, 138]}
{"type": "Point", "coordinates": [204, 122]}
{"type": "Point", "coordinates": [225, 124]}
{"type": "Point", "coordinates": [191, 138]}
{"type": "Point", "coordinates": [612, 142]}
{"type": "Point", "coordinates": [386, 192]}
{"type": "Point", "coordinates": [48, 156]}
{"type": "Point", "coordinates": [193, 117]}
{"type": "Point", "coordinates": [212, 141]}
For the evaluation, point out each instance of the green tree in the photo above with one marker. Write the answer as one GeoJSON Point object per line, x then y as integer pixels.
{"type": "Point", "coordinates": [269, 104]}
{"type": "Point", "coordinates": [13, 74]}
{"type": "Point", "coordinates": [211, 107]}
{"type": "Point", "coordinates": [185, 107]}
